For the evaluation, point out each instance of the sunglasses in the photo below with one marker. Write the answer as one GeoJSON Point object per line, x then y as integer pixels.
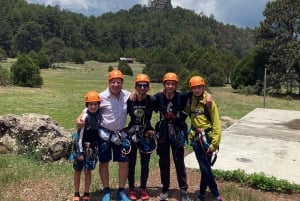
{"type": "Point", "coordinates": [142, 86]}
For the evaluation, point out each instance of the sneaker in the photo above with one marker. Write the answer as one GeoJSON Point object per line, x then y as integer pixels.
{"type": "Point", "coordinates": [106, 195]}
{"type": "Point", "coordinates": [144, 194]}
{"type": "Point", "coordinates": [164, 195]}
{"type": "Point", "coordinates": [184, 195]}
{"type": "Point", "coordinates": [76, 198]}
{"type": "Point", "coordinates": [220, 198]}
{"type": "Point", "coordinates": [86, 198]}
{"type": "Point", "coordinates": [132, 195]}
{"type": "Point", "coordinates": [121, 196]}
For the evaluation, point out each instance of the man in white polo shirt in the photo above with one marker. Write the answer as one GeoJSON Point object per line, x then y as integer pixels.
{"type": "Point", "coordinates": [113, 108]}
{"type": "Point", "coordinates": [114, 113]}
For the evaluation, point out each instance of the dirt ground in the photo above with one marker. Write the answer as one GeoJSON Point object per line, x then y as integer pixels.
{"type": "Point", "coordinates": [51, 190]}
{"type": "Point", "coordinates": [194, 181]}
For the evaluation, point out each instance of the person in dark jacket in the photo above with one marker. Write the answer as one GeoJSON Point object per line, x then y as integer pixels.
{"type": "Point", "coordinates": [85, 145]}
{"type": "Point", "coordinates": [171, 130]}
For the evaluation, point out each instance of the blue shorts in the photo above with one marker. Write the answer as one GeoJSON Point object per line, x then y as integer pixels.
{"type": "Point", "coordinates": [108, 149]}
{"type": "Point", "coordinates": [89, 161]}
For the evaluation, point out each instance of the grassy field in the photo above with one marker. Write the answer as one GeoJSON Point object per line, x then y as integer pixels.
{"type": "Point", "coordinates": [62, 98]}
{"type": "Point", "coordinates": [62, 95]}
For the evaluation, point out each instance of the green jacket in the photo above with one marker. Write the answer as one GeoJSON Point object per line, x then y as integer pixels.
{"type": "Point", "coordinates": [200, 120]}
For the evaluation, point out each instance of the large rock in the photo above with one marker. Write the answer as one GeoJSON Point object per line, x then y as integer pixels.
{"type": "Point", "coordinates": [34, 133]}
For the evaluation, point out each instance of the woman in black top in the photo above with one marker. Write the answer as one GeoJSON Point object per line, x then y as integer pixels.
{"type": "Point", "coordinates": [142, 134]}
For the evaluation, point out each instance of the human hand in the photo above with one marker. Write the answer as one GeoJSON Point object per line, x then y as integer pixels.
{"type": "Point", "coordinates": [210, 151]}
{"type": "Point", "coordinates": [133, 96]}
{"type": "Point", "coordinates": [149, 133]}
{"type": "Point", "coordinates": [208, 100]}
{"type": "Point", "coordinates": [79, 157]}
{"type": "Point", "coordinates": [79, 121]}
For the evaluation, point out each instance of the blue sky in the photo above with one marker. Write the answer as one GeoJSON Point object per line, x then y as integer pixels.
{"type": "Point", "coordinates": [241, 13]}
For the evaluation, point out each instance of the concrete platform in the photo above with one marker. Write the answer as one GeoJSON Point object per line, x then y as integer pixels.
{"type": "Point", "coordinates": [265, 140]}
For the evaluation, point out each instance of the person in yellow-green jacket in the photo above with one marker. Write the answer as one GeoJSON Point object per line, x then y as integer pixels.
{"type": "Point", "coordinates": [205, 135]}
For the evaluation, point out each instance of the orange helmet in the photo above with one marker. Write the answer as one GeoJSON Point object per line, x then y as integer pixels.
{"type": "Point", "coordinates": [92, 96]}
{"type": "Point", "coordinates": [142, 78]}
{"type": "Point", "coordinates": [115, 74]}
{"type": "Point", "coordinates": [196, 81]}
{"type": "Point", "coordinates": [170, 77]}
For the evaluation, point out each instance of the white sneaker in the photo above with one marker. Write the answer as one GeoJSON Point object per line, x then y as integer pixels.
{"type": "Point", "coordinates": [184, 195]}
{"type": "Point", "coordinates": [164, 196]}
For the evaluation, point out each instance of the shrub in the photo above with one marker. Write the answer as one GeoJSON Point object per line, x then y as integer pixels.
{"type": "Point", "coordinates": [110, 68]}
{"type": "Point", "coordinates": [4, 76]}
{"type": "Point", "coordinates": [25, 72]}
{"type": "Point", "coordinates": [125, 68]}
{"type": "Point", "coordinates": [258, 181]}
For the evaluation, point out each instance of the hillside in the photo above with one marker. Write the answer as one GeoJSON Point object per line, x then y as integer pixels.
{"type": "Point", "coordinates": [127, 32]}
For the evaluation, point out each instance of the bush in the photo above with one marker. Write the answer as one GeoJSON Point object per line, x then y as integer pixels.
{"type": "Point", "coordinates": [125, 68]}
{"type": "Point", "coordinates": [110, 68]}
{"type": "Point", "coordinates": [25, 72]}
{"type": "Point", "coordinates": [4, 76]}
{"type": "Point", "coordinates": [258, 181]}
{"type": "Point", "coordinates": [40, 59]}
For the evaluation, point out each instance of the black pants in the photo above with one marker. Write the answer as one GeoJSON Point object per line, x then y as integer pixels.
{"type": "Point", "coordinates": [207, 177]}
{"type": "Point", "coordinates": [145, 159]}
{"type": "Point", "coordinates": [163, 150]}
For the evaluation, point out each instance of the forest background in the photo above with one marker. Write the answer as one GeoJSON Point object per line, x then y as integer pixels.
{"type": "Point", "coordinates": [174, 39]}
{"type": "Point", "coordinates": [50, 57]}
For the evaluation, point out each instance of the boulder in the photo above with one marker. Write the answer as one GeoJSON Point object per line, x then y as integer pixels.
{"type": "Point", "coordinates": [35, 133]}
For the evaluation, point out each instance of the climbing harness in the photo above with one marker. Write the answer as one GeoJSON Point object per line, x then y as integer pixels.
{"type": "Point", "coordinates": [146, 142]}
{"type": "Point", "coordinates": [119, 138]}
{"type": "Point", "coordinates": [125, 143]}
{"type": "Point", "coordinates": [199, 137]}
{"type": "Point", "coordinates": [91, 155]}
{"type": "Point", "coordinates": [74, 147]}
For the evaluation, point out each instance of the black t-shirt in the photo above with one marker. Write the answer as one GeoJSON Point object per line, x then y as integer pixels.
{"type": "Point", "coordinates": [140, 112]}
{"type": "Point", "coordinates": [170, 112]}
{"type": "Point", "coordinates": [171, 109]}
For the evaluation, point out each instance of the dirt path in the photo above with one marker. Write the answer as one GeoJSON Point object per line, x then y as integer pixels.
{"type": "Point", "coordinates": [51, 190]}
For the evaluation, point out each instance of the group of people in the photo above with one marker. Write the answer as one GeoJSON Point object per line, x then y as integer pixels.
{"type": "Point", "coordinates": [102, 130]}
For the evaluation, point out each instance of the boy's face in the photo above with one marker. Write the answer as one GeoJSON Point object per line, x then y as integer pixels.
{"type": "Point", "coordinates": [93, 107]}
{"type": "Point", "coordinates": [170, 86]}
{"type": "Point", "coordinates": [197, 90]}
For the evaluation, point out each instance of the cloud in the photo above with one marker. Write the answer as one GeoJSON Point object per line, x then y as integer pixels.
{"type": "Point", "coordinates": [236, 12]}
{"type": "Point", "coordinates": [242, 13]}
{"type": "Point", "coordinates": [206, 7]}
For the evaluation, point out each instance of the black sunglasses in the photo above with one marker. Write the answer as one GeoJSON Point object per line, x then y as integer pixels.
{"type": "Point", "coordinates": [142, 85]}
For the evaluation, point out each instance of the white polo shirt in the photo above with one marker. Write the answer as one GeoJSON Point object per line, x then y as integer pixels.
{"type": "Point", "coordinates": [113, 109]}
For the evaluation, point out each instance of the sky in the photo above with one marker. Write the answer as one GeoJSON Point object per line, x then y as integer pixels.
{"type": "Point", "coordinates": [241, 13]}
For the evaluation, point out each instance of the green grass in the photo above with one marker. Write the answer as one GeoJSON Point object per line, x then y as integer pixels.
{"type": "Point", "coordinates": [13, 169]}
{"type": "Point", "coordinates": [237, 105]}
{"type": "Point", "coordinates": [62, 98]}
